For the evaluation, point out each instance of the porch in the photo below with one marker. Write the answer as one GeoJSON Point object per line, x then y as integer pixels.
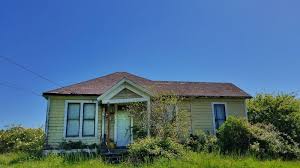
{"type": "Point", "coordinates": [117, 122]}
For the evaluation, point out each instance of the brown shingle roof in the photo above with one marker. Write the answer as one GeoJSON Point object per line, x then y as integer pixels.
{"type": "Point", "coordinates": [202, 89]}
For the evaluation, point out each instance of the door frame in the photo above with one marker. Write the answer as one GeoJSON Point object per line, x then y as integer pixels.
{"type": "Point", "coordinates": [116, 126]}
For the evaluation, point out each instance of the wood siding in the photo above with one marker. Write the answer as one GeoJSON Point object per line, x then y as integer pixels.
{"type": "Point", "coordinates": [56, 121]}
{"type": "Point", "coordinates": [201, 115]}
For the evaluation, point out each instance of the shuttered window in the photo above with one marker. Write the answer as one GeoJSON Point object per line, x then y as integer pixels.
{"type": "Point", "coordinates": [220, 114]}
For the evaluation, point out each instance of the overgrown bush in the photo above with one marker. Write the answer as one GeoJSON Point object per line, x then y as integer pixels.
{"type": "Point", "coordinates": [202, 142]}
{"type": "Point", "coordinates": [267, 142]}
{"type": "Point", "coordinates": [234, 136]}
{"type": "Point", "coordinates": [281, 110]}
{"type": "Point", "coordinates": [238, 136]}
{"type": "Point", "coordinates": [148, 149]}
{"type": "Point", "coordinates": [17, 138]}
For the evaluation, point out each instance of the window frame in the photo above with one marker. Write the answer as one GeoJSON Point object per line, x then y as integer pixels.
{"type": "Point", "coordinates": [213, 113]}
{"type": "Point", "coordinates": [88, 120]}
{"type": "Point", "coordinates": [67, 122]}
{"type": "Point", "coordinates": [81, 102]}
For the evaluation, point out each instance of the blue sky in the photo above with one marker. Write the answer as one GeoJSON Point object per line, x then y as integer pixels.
{"type": "Point", "coordinates": [254, 44]}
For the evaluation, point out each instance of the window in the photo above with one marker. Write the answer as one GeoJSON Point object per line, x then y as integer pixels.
{"type": "Point", "coordinates": [219, 114]}
{"type": "Point", "coordinates": [73, 120]}
{"type": "Point", "coordinates": [80, 119]}
{"type": "Point", "coordinates": [89, 112]}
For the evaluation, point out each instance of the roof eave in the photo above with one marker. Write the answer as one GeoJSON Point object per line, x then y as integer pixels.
{"type": "Point", "coordinates": [68, 94]}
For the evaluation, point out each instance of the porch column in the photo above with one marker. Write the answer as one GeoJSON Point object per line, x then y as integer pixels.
{"type": "Point", "coordinates": [148, 117]}
{"type": "Point", "coordinates": [108, 123]}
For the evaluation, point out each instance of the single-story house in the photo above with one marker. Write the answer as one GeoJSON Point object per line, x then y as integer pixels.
{"type": "Point", "coordinates": [91, 111]}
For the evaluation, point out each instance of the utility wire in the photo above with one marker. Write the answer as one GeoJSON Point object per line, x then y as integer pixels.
{"type": "Point", "coordinates": [9, 60]}
{"type": "Point", "coordinates": [13, 86]}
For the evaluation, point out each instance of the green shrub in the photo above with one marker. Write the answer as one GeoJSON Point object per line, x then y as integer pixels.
{"type": "Point", "coordinates": [202, 142]}
{"type": "Point", "coordinates": [281, 110]}
{"type": "Point", "coordinates": [267, 142]}
{"type": "Point", "coordinates": [148, 149]}
{"type": "Point", "coordinates": [15, 139]}
{"type": "Point", "coordinates": [237, 136]}
{"type": "Point", "coordinates": [234, 136]}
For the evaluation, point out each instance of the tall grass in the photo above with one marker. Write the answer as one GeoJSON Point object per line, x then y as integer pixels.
{"type": "Point", "coordinates": [190, 160]}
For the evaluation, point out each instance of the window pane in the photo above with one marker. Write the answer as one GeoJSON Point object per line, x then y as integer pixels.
{"type": "Point", "coordinates": [73, 128]}
{"type": "Point", "coordinates": [89, 110]}
{"type": "Point", "coordinates": [220, 114]}
{"type": "Point", "coordinates": [88, 127]}
{"type": "Point", "coordinates": [73, 110]}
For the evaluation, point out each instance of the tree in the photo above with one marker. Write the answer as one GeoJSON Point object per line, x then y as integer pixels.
{"type": "Point", "coordinates": [167, 119]}
{"type": "Point", "coordinates": [280, 110]}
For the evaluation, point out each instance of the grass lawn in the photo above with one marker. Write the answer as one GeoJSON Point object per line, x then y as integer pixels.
{"type": "Point", "coordinates": [189, 160]}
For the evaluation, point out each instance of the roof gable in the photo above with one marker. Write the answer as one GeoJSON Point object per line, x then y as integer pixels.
{"type": "Point", "coordinates": [126, 93]}
{"type": "Point", "coordinates": [125, 84]}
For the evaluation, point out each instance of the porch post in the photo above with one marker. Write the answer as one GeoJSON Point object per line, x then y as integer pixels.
{"type": "Point", "coordinates": [108, 124]}
{"type": "Point", "coordinates": [148, 117]}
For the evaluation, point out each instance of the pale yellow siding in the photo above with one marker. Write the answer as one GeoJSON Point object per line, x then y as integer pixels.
{"type": "Point", "coordinates": [202, 115]}
{"type": "Point", "coordinates": [56, 121]}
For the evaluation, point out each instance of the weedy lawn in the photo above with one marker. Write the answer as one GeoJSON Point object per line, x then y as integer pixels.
{"type": "Point", "coordinates": [19, 160]}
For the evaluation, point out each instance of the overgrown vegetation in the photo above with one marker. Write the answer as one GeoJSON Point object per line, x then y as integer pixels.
{"type": "Point", "coordinates": [146, 150]}
{"type": "Point", "coordinates": [272, 132]}
{"type": "Point", "coordinates": [237, 136]}
{"type": "Point", "coordinates": [202, 142]}
{"type": "Point", "coordinates": [281, 110]}
{"type": "Point", "coordinates": [166, 119]}
{"type": "Point", "coordinates": [20, 139]}
{"type": "Point", "coordinates": [168, 127]}
{"type": "Point", "coordinates": [189, 160]}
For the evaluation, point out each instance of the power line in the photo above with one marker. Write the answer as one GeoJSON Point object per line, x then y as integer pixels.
{"type": "Point", "coordinates": [13, 86]}
{"type": "Point", "coordinates": [9, 60]}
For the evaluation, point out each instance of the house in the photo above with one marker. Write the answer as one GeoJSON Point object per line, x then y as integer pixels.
{"type": "Point", "coordinates": [91, 112]}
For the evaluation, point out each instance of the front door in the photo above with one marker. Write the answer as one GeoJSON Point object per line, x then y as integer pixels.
{"type": "Point", "coordinates": [123, 128]}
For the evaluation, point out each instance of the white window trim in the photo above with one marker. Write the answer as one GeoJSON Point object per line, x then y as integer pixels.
{"type": "Point", "coordinates": [213, 113]}
{"type": "Point", "coordinates": [80, 119]}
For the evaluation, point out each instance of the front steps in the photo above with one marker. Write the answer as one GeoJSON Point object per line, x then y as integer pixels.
{"type": "Point", "coordinates": [114, 155]}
